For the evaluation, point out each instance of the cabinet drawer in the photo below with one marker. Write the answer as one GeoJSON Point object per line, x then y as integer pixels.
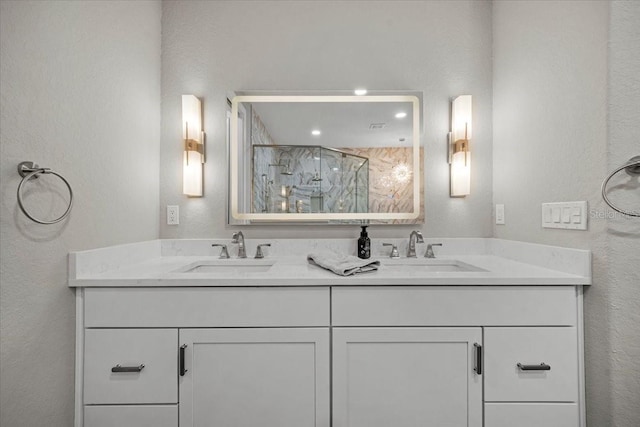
{"type": "Point", "coordinates": [131, 416]}
{"type": "Point", "coordinates": [531, 415]}
{"type": "Point", "coordinates": [156, 382]}
{"type": "Point", "coordinates": [205, 307]}
{"type": "Point", "coordinates": [505, 348]}
{"type": "Point", "coordinates": [454, 306]}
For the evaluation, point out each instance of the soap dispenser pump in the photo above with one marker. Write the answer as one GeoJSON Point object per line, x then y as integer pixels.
{"type": "Point", "coordinates": [364, 244]}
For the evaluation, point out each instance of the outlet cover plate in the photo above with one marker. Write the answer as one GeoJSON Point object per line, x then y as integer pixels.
{"type": "Point", "coordinates": [500, 214]}
{"type": "Point", "coordinates": [173, 215]}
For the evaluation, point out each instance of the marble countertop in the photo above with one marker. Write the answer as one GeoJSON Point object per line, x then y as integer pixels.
{"type": "Point", "coordinates": [162, 263]}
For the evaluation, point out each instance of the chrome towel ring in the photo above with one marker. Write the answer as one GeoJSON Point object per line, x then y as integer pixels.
{"type": "Point", "coordinates": [28, 171]}
{"type": "Point", "coordinates": [632, 168]}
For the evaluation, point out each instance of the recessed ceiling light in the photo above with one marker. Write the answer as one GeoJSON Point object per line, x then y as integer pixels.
{"type": "Point", "coordinates": [401, 115]}
{"type": "Point", "coordinates": [315, 132]}
{"type": "Point", "coordinates": [360, 92]}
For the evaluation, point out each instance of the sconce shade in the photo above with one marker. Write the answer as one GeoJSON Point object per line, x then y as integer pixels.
{"type": "Point", "coordinates": [461, 123]}
{"type": "Point", "coordinates": [193, 137]}
{"type": "Point", "coordinates": [460, 153]}
{"type": "Point", "coordinates": [460, 174]}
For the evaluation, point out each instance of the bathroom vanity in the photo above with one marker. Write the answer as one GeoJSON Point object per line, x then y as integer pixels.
{"type": "Point", "coordinates": [477, 337]}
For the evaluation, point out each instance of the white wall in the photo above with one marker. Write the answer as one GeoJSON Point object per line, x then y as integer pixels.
{"type": "Point", "coordinates": [549, 110]}
{"type": "Point", "coordinates": [565, 100]}
{"type": "Point", "coordinates": [442, 48]}
{"type": "Point", "coordinates": [623, 233]}
{"type": "Point", "coordinates": [80, 94]}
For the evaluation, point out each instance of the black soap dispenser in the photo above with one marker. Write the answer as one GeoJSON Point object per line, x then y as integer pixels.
{"type": "Point", "coordinates": [364, 244]}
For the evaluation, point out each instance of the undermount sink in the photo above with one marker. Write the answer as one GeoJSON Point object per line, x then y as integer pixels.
{"type": "Point", "coordinates": [227, 266]}
{"type": "Point", "coordinates": [426, 265]}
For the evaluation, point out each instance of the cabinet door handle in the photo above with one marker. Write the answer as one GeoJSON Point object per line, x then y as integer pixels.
{"type": "Point", "coordinates": [182, 369]}
{"type": "Point", "coordinates": [478, 365]}
{"type": "Point", "coordinates": [541, 367]}
{"type": "Point", "coordinates": [120, 368]}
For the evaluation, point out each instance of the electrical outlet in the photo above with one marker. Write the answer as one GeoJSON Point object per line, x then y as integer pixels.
{"type": "Point", "coordinates": [500, 214]}
{"type": "Point", "coordinates": [173, 215]}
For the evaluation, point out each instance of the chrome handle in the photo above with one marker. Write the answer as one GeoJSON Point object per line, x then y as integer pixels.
{"type": "Point", "coordinates": [259, 253]}
{"type": "Point", "coordinates": [182, 369]}
{"type": "Point", "coordinates": [478, 362]}
{"type": "Point", "coordinates": [541, 367]}
{"type": "Point", "coordinates": [224, 253]}
{"type": "Point", "coordinates": [429, 253]}
{"type": "Point", "coordinates": [120, 368]}
{"type": "Point", "coordinates": [394, 250]}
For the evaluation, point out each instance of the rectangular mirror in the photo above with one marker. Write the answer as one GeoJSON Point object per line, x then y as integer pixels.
{"type": "Point", "coordinates": [325, 159]}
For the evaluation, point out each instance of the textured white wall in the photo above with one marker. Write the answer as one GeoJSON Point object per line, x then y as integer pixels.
{"type": "Point", "coordinates": [555, 125]}
{"type": "Point", "coordinates": [623, 233]}
{"type": "Point", "coordinates": [80, 94]}
{"type": "Point", "coordinates": [442, 48]}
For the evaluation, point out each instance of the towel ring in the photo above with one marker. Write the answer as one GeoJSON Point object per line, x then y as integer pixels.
{"type": "Point", "coordinates": [28, 171]}
{"type": "Point", "coordinates": [632, 168]}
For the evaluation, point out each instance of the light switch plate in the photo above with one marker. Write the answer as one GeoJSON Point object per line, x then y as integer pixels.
{"type": "Point", "coordinates": [567, 215]}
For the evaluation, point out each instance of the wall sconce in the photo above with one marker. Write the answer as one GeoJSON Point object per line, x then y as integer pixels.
{"type": "Point", "coordinates": [193, 137]}
{"type": "Point", "coordinates": [459, 152]}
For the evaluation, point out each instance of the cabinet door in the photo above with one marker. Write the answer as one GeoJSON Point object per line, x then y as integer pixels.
{"type": "Point", "coordinates": [406, 377]}
{"type": "Point", "coordinates": [255, 377]}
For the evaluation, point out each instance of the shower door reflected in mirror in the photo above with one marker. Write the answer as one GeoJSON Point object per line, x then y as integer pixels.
{"type": "Point", "coordinates": [326, 159]}
{"type": "Point", "coordinates": [309, 179]}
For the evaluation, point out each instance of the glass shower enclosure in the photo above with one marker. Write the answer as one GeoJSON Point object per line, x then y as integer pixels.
{"type": "Point", "coordinates": [308, 179]}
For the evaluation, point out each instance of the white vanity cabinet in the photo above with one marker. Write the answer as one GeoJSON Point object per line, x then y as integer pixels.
{"type": "Point", "coordinates": [234, 356]}
{"type": "Point", "coordinates": [519, 328]}
{"type": "Point", "coordinates": [341, 356]}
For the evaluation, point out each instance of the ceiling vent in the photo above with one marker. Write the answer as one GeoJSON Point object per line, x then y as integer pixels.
{"type": "Point", "coordinates": [375, 126]}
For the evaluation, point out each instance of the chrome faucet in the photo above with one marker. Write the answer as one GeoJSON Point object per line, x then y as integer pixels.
{"type": "Point", "coordinates": [238, 238]}
{"type": "Point", "coordinates": [414, 237]}
{"type": "Point", "coordinates": [429, 253]}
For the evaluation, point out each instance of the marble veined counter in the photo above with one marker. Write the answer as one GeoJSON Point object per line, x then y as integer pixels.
{"type": "Point", "coordinates": [162, 263]}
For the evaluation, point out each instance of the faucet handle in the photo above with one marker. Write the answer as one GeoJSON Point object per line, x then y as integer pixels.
{"type": "Point", "coordinates": [259, 253]}
{"type": "Point", "coordinates": [429, 253]}
{"type": "Point", "coordinates": [224, 253]}
{"type": "Point", "coordinates": [394, 250]}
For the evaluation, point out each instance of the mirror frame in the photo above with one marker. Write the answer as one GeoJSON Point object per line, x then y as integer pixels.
{"type": "Point", "coordinates": [235, 147]}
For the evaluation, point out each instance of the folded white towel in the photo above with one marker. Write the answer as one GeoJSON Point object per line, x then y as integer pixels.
{"type": "Point", "coordinates": [345, 265]}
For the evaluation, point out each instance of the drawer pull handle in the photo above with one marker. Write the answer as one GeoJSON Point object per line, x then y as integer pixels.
{"type": "Point", "coordinates": [120, 368]}
{"type": "Point", "coordinates": [478, 365]}
{"type": "Point", "coordinates": [541, 367]}
{"type": "Point", "coordinates": [182, 369]}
